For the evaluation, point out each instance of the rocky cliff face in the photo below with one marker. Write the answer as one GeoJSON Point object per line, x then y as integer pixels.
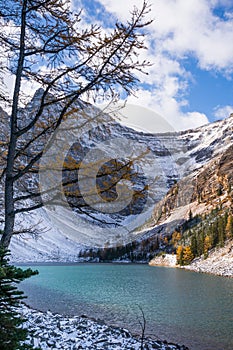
{"type": "Point", "coordinates": [200, 192]}
{"type": "Point", "coordinates": [206, 196]}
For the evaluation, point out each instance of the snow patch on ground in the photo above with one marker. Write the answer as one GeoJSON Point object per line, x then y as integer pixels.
{"type": "Point", "coordinates": [54, 331]}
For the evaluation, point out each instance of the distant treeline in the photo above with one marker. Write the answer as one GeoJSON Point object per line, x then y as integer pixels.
{"type": "Point", "coordinates": [134, 251]}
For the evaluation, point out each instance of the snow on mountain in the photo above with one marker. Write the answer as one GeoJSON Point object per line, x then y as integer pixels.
{"type": "Point", "coordinates": [168, 158]}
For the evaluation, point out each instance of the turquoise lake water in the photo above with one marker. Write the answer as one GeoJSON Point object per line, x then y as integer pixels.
{"type": "Point", "coordinates": [179, 306]}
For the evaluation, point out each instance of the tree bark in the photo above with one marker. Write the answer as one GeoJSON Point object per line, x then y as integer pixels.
{"type": "Point", "coordinates": [9, 177]}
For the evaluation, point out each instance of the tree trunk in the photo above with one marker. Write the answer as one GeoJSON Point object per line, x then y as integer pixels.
{"type": "Point", "coordinates": [9, 213]}
{"type": "Point", "coordinates": [9, 180]}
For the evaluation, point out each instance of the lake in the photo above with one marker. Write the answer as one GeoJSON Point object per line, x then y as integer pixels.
{"type": "Point", "coordinates": [179, 306]}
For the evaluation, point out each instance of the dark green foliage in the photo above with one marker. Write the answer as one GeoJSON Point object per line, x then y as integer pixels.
{"type": "Point", "coordinates": [180, 255]}
{"type": "Point", "coordinates": [194, 245]}
{"type": "Point", "coordinates": [11, 334]}
{"type": "Point", "coordinates": [135, 251]}
{"type": "Point", "coordinates": [219, 191]}
{"type": "Point", "coordinates": [190, 215]}
{"type": "Point", "coordinates": [208, 231]}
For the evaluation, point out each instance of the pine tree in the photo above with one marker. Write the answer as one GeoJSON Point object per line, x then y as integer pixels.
{"type": "Point", "coordinates": [176, 237]}
{"type": "Point", "coordinates": [179, 255]}
{"type": "Point", "coordinates": [12, 335]}
{"type": "Point", "coordinates": [194, 245]}
{"type": "Point", "coordinates": [190, 215]}
{"type": "Point", "coordinates": [214, 234]}
{"type": "Point", "coordinates": [207, 245]}
{"type": "Point", "coordinates": [187, 255]}
{"type": "Point", "coordinates": [221, 231]}
{"type": "Point", "coordinates": [200, 243]}
{"type": "Point", "coordinates": [229, 226]}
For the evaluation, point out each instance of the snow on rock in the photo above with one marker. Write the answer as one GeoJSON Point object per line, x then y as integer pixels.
{"type": "Point", "coordinates": [54, 331]}
{"type": "Point", "coordinates": [168, 260]}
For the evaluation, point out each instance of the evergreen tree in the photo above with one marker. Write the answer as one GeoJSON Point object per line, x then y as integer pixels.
{"type": "Point", "coordinates": [12, 335]}
{"type": "Point", "coordinates": [194, 245]}
{"type": "Point", "coordinates": [179, 255]}
{"type": "Point", "coordinates": [229, 226]}
{"type": "Point", "coordinates": [200, 244]}
{"type": "Point", "coordinates": [190, 215]}
{"type": "Point", "coordinates": [221, 230]}
{"type": "Point", "coordinates": [207, 245]}
{"type": "Point", "coordinates": [214, 234]}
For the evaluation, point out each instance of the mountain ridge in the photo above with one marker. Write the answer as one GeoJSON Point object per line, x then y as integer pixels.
{"type": "Point", "coordinates": [180, 156]}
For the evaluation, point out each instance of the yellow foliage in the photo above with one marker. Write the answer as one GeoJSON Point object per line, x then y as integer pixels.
{"type": "Point", "coordinates": [229, 227]}
{"type": "Point", "coordinates": [187, 255]}
{"type": "Point", "coordinates": [207, 244]}
{"type": "Point", "coordinates": [176, 237]}
{"type": "Point", "coordinates": [179, 255]}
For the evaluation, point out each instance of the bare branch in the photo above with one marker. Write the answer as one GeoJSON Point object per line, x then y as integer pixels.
{"type": "Point", "coordinates": [143, 327]}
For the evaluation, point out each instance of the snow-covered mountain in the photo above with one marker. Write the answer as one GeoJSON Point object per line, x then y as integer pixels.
{"type": "Point", "coordinates": [152, 164]}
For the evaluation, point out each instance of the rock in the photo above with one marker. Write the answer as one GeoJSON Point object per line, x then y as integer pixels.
{"type": "Point", "coordinates": [168, 260]}
{"type": "Point", "coordinates": [50, 331]}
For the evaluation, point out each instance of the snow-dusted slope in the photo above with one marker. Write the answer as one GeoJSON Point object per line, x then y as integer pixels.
{"type": "Point", "coordinates": [171, 157]}
{"type": "Point", "coordinates": [50, 245]}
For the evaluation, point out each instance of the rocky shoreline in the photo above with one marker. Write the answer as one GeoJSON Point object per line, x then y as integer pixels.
{"type": "Point", "coordinates": [54, 331]}
{"type": "Point", "coordinates": [219, 262]}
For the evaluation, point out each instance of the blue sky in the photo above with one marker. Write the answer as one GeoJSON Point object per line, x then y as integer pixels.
{"type": "Point", "coordinates": [211, 90]}
{"type": "Point", "coordinates": [190, 44]}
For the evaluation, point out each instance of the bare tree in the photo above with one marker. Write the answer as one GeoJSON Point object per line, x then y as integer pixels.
{"type": "Point", "coordinates": [143, 327]}
{"type": "Point", "coordinates": [45, 43]}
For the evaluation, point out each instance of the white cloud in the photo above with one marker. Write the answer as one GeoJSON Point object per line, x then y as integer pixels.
{"type": "Point", "coordinates": [191, 26]}
{"type": "Point", "coordinates": [166, 96]}
{"type": "Point", "coordinates": [121, 8]}
{"type": "Point", "coordinates": [165, 105]}
{"type": "Point", "coordinates": [222, 112]}
{"type": "Point", "coordinates": [187, 26]}
{"type": "Point", "coordinates": [180, 29]}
